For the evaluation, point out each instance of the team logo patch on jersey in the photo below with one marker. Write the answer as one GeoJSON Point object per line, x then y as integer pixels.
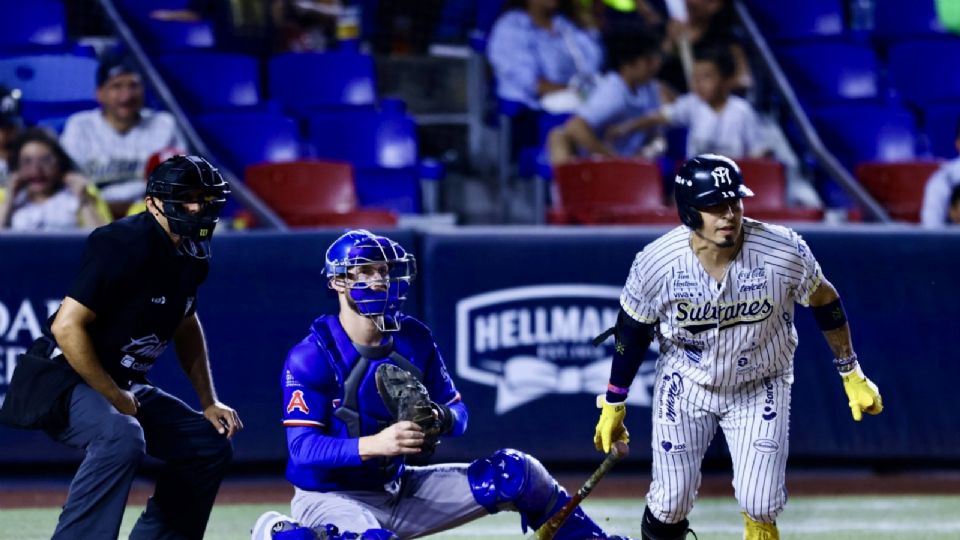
{"type": "Point", "coordinates": [670, 392]}
{"type": "Point", "coordinates": [696, 318]}
{"type": "Point", "coordinates": [298, 402]}
{"type": "Point", "coordinates": [766, 446]}
{"type": "Point", "coordinates": [671, 448]}
{"type": "Point", "coordinates": [769, 413]}
{"type": "Point", "coordinates": [529, 342]}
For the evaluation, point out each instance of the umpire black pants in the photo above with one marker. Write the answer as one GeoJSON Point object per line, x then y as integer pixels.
{"type": "Point", "coordinates": [195, 456]}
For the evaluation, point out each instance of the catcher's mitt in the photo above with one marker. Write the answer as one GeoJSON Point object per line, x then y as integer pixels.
{"type": "Point", "coordinates": [407, 399]}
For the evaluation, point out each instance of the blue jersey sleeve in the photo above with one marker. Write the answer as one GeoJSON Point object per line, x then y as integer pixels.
{"type": "Point", "coordinates": [308, 385]}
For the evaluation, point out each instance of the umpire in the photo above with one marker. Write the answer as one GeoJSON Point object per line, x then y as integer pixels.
{"type": "Point", "coordinates": [136, 290]}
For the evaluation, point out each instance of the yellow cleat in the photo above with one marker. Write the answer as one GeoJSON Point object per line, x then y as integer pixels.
{"type": "Point", "coordinates": [756, 530]}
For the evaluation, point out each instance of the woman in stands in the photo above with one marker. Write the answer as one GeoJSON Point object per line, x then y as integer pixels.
{"type": "Point", "coordinates": [44, 192]}
{"type": "Point", "coordinates": [542, 47]}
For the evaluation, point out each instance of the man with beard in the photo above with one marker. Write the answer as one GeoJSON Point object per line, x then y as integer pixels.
{"type": "Point", "coordinates": [718, 293]}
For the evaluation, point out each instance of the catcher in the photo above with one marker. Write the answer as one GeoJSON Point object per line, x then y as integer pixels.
{"type": "Point", "coordinates": [365, 390]}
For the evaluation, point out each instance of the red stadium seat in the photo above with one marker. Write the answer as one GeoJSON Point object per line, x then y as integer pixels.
{"type": "Point", "coordinates": [314, 194]}
{"type": "Point", "coordinates": [768, 180]}
{"type": "Point", "coordinates": [609, 191]}
{"type": "Point", "coordinates": [898, 187]}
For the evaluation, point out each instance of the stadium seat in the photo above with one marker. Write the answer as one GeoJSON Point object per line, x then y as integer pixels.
{"type": "Point", "coordinates": [207, 81]}
{"type": "Point", "coordinates": [303, 82]}
{"type": "Point", "coordinates": [914, 70]}
{"type": "Point", "coordinates": [381, 145]}
{"type": "Point", "coordinates": [52, 85]}
{"type": "Point", "coordinates": [314, 193]}
{"type": "Point", "coordinates": [242, 138]}
{"type": "Point", "coordinates": [898, 187]}
{"type": "Point", "coordinates": [175, 35]}
{"type": "Point", "coordinates": [940, 126]}
{"type": "Point", "coordinates": [866, 132]}
{"type": "Point", "coordinates": [32, 23]}
{"type": "Point", "coordinates": [810, 19]}
{"type": "Point", "coordinates": [827, 72]}
{"type": "Point", "coordinates": [609, 191]}
{"type": "Point", "coordinates": [897, 19]}
{"type": "Point", "coordinates": [768, 180]}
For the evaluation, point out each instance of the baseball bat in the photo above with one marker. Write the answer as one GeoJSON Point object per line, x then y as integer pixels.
{"type": "Point", "coordinates": [618, 451]}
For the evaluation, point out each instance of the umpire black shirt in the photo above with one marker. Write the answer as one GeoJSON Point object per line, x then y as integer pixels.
{"type": "Point", "coordinates": [141, 288]}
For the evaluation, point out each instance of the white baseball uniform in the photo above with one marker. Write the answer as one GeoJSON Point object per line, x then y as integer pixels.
{"type": "Point", "coordinates": [726, 359]}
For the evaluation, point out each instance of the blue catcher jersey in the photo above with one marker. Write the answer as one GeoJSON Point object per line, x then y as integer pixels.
{"type": "Point", "coordinates": [329, 385]}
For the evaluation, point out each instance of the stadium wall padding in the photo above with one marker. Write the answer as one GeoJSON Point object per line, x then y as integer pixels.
{"type": "Point", "coordinates": [513, 311]}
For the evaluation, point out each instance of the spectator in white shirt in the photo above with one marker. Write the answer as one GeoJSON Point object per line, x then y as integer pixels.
{"type": "Point", "coordinates": [44, 192]}
{"type": "Point", "coordinates": [111, 144]}
{"type": "Point", "coordinates": [717, 122]}
{"type": "Point", "coordinates": [940, 206]}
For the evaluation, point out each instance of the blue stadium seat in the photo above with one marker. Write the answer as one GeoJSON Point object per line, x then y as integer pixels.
{"type": "Point", "coordinates": [866, 132]}
{"type": "Point", "coordinates": [243, 138]}
{"type": "Point", "coordinates": [922, 71]}
{"type": "Point", "coordinates": [208, 81]}
{"type": "Point", "coordinates": [803, 20]}
{"type": "Point", "coordinates": [311, 81]}
{"type": "Point", "coordinates": [897, 19]}
{"type": "Point", "coordinates": [940, 126]}
{"type": "Point", "coordinates": [827, 72]}
{"type": "Point", "coordinates": [140, 9]}
{"type": "Point", "coordinates": [381, 145]}
{"type": "Point", "coordinates": [32, 23]}
{"type": "Point", "coordinates": [52, 85]}
{"type": "Point", "coordinates": [175, 35]}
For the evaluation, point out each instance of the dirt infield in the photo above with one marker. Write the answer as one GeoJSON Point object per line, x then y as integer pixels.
{"type": "Point", "coordinates": [45, 492]}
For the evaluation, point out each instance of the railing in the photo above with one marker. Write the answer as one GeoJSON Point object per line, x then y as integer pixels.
{"type": "Point", "coordinates": [247, 198]}
{"type": "Point", "coordinates": [829, 162]}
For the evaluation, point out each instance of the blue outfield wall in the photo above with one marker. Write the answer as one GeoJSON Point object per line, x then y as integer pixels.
{"type": "Point", "coordinates": [513, 311]}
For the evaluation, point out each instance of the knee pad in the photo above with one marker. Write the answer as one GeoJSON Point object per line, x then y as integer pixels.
{"type": "Point", "coordinates": [511, 476]}
{"type": "Point", "coordinates": [653, 529]}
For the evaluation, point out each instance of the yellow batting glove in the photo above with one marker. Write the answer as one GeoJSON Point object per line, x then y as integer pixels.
{"type": "Point", "coordinates": [863, 395]}
{"type": "Point", "coordinates": [610, 428]}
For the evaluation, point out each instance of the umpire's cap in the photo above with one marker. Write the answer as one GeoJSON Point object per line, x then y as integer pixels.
{"type": "Point", "coordinates": [706, 180]}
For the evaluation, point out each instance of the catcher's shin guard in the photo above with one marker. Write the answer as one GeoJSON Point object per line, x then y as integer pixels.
{"type": "Point", "coordinates": [511, 476]}
{"type": "Point", "coordinates": [757, 530]}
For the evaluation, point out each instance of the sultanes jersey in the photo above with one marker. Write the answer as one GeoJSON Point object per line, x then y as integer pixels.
{"type": "Point", "coordinates": [729, 332]}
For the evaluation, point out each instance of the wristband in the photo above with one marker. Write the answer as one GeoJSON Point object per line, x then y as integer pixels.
{"type": "Point", "coordinates": [846, 365]}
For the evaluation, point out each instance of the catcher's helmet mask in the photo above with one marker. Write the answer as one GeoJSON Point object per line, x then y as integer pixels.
{"type": "Point", "coordinates": [704, 181]}
{"type": "Point", "coordinates": [376, 273]}
{"type": "Point", "coordinates": [183, 180]}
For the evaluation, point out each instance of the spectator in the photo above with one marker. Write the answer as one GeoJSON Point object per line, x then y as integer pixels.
{"type": "Point", "coordinates": [538, 47]}
{"type": "Point", "coordinates": [717, 121]}
{"type": "Point", "coordinates": [111, 144]}
{"type": "Point", "coordinates": [955, 205]}
{"type": "Point", "coordinates": [307, 25]}
{"type": "Point", "coordinates": [627, 91]}
{"type": "Point", "coordinates": [10, 125]}
{"type": "Point", "coordinates": [710, 25]}
{"type": "Point", "coordinates": [940, 195]}
{"type": "Point", "coordinates": [44, 191]}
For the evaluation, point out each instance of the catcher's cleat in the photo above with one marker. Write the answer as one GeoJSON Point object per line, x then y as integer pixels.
{"type": "Point", "coordinates": [757, 530]}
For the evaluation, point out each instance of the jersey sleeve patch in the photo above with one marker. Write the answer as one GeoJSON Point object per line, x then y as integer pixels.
{"type": "Point", "coordinates": [297, 402]}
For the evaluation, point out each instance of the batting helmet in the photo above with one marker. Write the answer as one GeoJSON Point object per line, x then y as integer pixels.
{"type": "Point", "coordinates": [706, 180]}
{"type": "Point", "coordinates": [182, 180]}
{"type": "Point", "coordinates": [381, 303]}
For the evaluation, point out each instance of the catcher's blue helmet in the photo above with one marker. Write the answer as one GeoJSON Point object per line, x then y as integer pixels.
{"type": "Point", "coordinates": [706, 180]}
{"type": "Point", "coordinates": [190, 179]}
{"type": "Point", "coordinates": [381, 298]}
